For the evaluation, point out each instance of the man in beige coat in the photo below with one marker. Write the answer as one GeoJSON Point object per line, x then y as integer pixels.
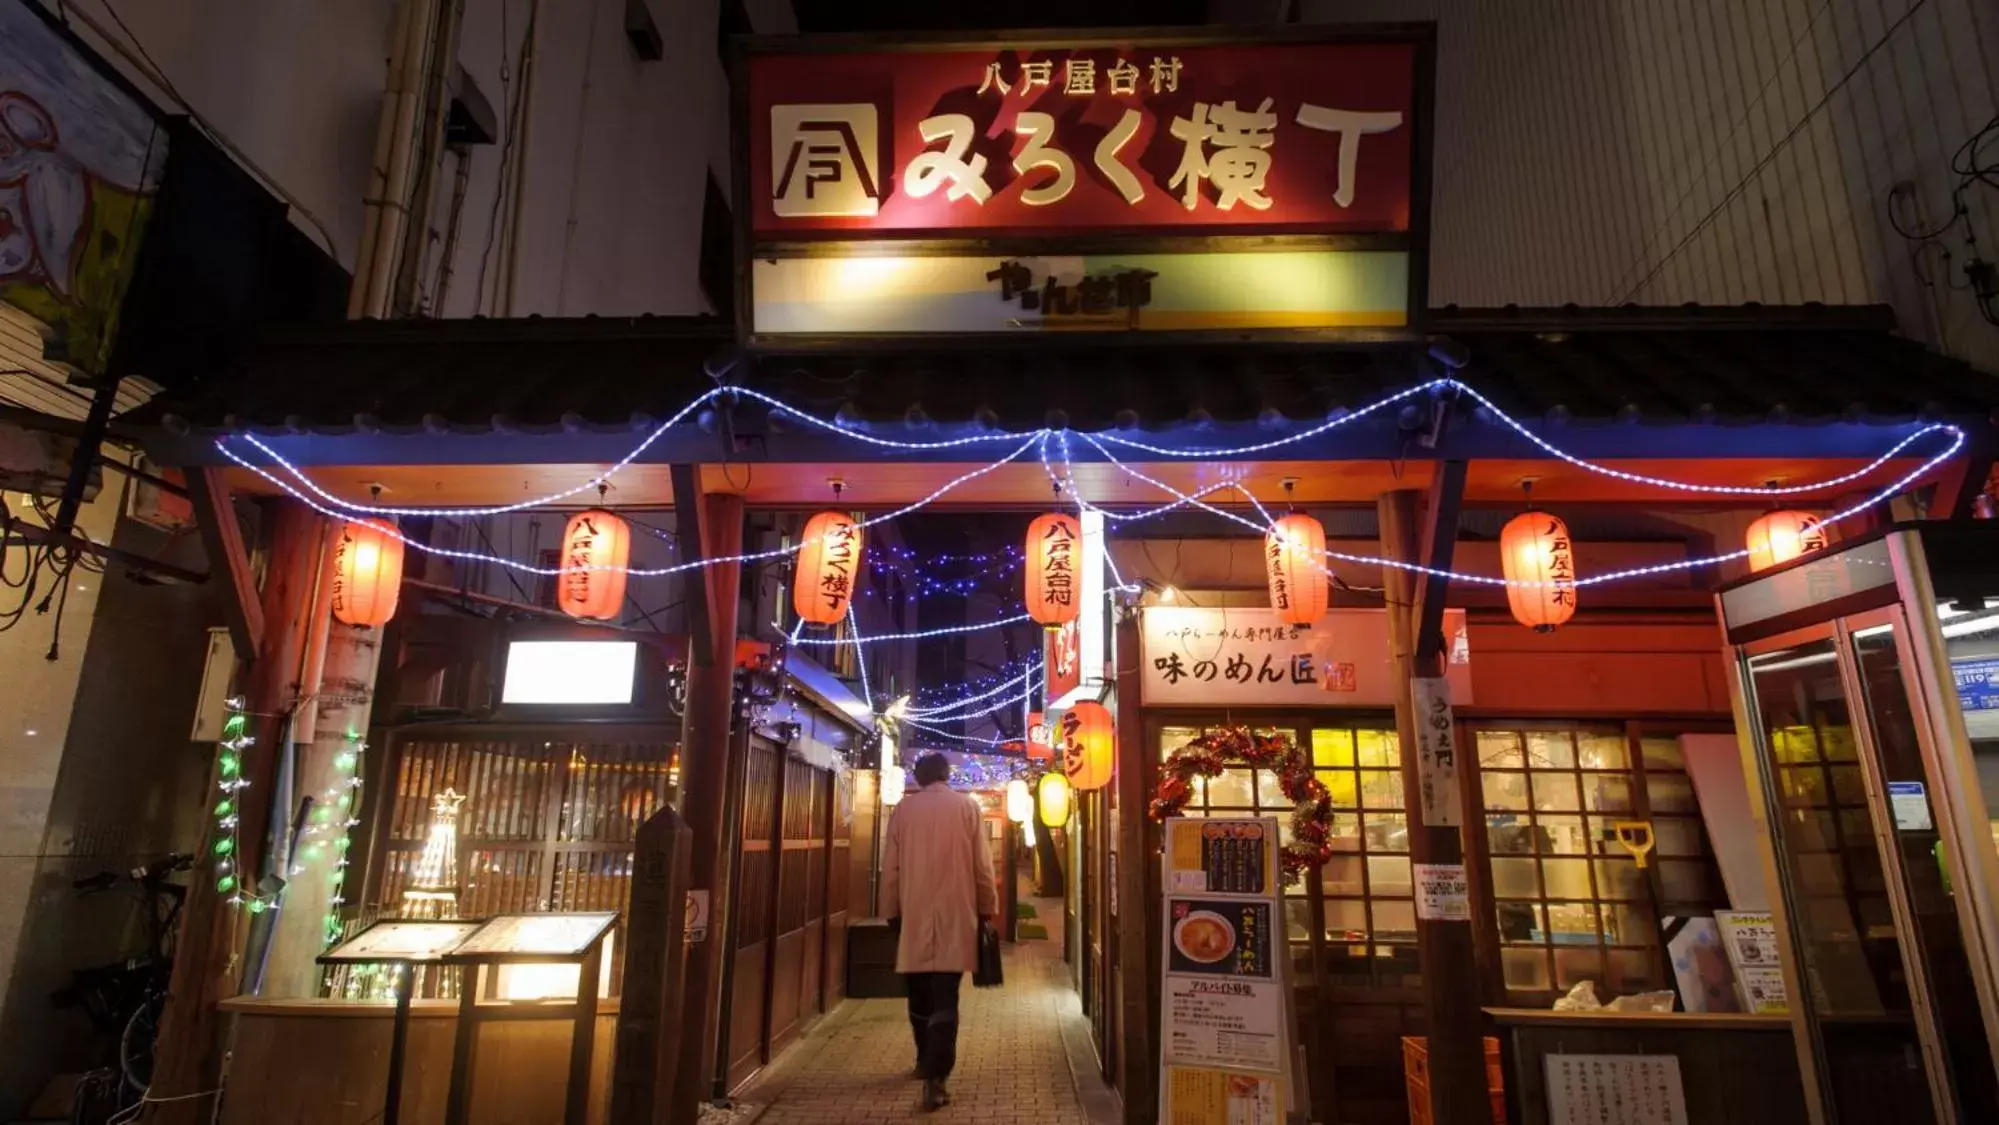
{"type": "Point", "coordinates": [938, 886]}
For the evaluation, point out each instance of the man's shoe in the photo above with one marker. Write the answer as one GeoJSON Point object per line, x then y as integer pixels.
{"type": "Point", "coordinates": [935, 1096]}
{"type": "Point", "coordinates": [916, 1073]}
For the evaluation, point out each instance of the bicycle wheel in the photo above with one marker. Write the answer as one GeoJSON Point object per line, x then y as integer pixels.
{"type": "Point", "coordinates": [135, 1045]}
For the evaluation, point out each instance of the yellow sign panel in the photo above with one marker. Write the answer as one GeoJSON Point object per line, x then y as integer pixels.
{"type": "Point", "coordinates": [1203, 1096]}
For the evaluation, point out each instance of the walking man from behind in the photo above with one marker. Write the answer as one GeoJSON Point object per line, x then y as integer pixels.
{"type": "Point", "coordinates": [937, 884]}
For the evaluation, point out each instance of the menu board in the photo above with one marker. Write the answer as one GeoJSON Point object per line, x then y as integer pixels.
{"type": "Point", "coordinates": [1623, 1089]}
{"type": "Point", "coordinates": [1227, 1044]}
{"type": "Point", "coordinates": [1750, 937]}
{"type": "Point", "coordinates": [537, 935]}
{"type": "Point", "coordinates": [393, 940]}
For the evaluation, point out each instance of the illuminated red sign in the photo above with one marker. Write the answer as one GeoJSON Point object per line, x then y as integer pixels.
{"type": "Point", "coordinates": [1272, 138]}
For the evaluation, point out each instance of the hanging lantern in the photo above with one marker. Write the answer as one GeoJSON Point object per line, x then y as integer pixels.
{"type": "Point", "coordinates": [596, 546]}
{"type": "Point", "coordinates": [1039, 748]}
{"type": "Point", "coordinates": [1783, 536]}
{"type": "Point", "coordinates": [367, 573]}
{"type": "Point", "coordinates": [1019, 802]}
{"type": "Point", "coordinates": [1054, 799]}
{"type": "Point", "coordinates": [894, 781]}
{"type": "Point", "coordinates": [1086, 738]}
{"type": "Point", "coordinates": [1534, 548]}
{"type": "Point", "coordinates": [829, 568]}
{"type": "Point", "coordinates": [1294, 560]}
{"type": "Point", "coordinates": [1054, 566]}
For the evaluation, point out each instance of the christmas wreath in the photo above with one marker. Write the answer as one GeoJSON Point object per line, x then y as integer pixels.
{"type": "Point", "coordinates": [1206, 756]}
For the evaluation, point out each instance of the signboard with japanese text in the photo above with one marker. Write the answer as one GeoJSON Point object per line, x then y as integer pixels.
{"type": "Point", "coordinates": [1625, 1089]}
{"type": "Point", "coordinates": [1252, 658]}
{"type": "Point", "coordinates": [1062, 657]}
{"type": "Point", "coordinates": [1226, 1038]}
{"type": "Point", "coordinates": [1436, 752]}
{"type": "Point", "coordinates": [1112, 172]}
{"type": "Point", "coordinates": [1443, 893]}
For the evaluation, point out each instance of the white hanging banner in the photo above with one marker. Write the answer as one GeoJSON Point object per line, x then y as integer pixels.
{"type": "Point", "coordinates": [1436, 751]}
{"type": "Point", "coordinates": [1254, 658]}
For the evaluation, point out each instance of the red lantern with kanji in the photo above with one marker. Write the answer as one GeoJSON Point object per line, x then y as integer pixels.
{"type": "Point", "coordinates": [367, 573]}
{"type": "Point", "coordinates": [1294, 562]}
{"type": "Point", "coordinates": [829, 568]}
{"type": "Point", "coordinates": [596, 547]}
{"type": "Point", "coordinates": [1535, 551]}
{"type": "Point", "coordinates": [1783, 536]}
{"type": "Point", "coordinates": [1054, 568]}
{"type": "Point", "coordinates": [1087, 740]}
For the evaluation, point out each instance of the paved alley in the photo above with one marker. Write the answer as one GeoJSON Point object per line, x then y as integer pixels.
{"type": "Point", "coordinates": [1013, 1066]}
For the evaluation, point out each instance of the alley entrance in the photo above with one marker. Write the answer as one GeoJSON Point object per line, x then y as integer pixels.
{"type": "Point", "coordinates": [1014, 1056]}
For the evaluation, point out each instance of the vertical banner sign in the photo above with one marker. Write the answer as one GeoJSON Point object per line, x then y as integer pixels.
{"type": "Point", "coordinates": [1436, 752]}
{"type": "Point", "coordinates": [1226, 1044]}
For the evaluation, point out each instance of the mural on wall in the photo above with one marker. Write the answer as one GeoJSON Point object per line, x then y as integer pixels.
{"type": "Point", "coordinates": [79, 162]}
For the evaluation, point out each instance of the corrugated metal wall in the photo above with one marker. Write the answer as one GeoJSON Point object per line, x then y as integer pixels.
{"type": "Point", "coordinates": [1716, 151]}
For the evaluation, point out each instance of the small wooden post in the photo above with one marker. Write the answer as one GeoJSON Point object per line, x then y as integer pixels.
{"type": "Point", "coordinates": [1458, 1090]}
{"type": "Point", "coordinates": [1137, 944]}
{"type": "Point", "coordinates": [647, 1049]}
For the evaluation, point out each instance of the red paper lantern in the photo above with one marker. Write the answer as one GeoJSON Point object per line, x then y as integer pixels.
{"type": "Point", "coordinates": [1054, 568]}
{"type": "Point", "coordinates": [1294, 561]}
{"type": "Point", "coordinates": [1087, 740]}
{"type": "Point", "coordinates": [1535, 548]}
{"type": "Point", "coordinates": [829, 568]}
{"type": "Point", "coordinates": [596, 546]}
{"type": "Point", "coordinates": [367, 573]}
{"type": "Point", "coordinates": [1783, 536]}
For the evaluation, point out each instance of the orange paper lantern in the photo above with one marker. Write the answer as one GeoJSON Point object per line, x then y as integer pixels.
{"type": "Point", "coordinates": [367, 573]}
{"type": "Point", "coordinates": [829, 567]}
{"type": "Point", "coordinates": [1783, 536]}
{"type": "Point", "coordinates": [1534, 548]}
{"type": "Point", "coordinates": [1294, 561]}
{"type": "Point", "coordinates": [596, 546]}
{"type": "Point", "coordinates": [1054, 568]}
{"type": "Point", "coordinates": [1086, 738]}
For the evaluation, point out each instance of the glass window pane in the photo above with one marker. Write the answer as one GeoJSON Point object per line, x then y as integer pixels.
{"type": "Point", "coordinates": [1387, 832]}
{"type": "Point", "coordinates": [1662, 752]}
{"type": "Point", "coordinates": [1838, 743]}
{"type": "Point", "coordinates": [1572, 923]}
{"type": "Point", "coordinates": [1232, 790]}
{"type": "Point", "coordinates": [1795, 744]}
{"type": "Point", "coordinates": [1499, 749]}
{"type": "Point", "coordinates": [1515, 878]}
{"type": "Point", "coordinates": [1566, 878]}
{"type": "Point", "coordinates": [1800, 785]}
{"type": "Point", "coordinates": [1270, 791]}
{"type": "Point", "coordinates": [1522, 922]}
{"type": "Point", "coordinates": [1573, 966]}
{"type": "Point", "coordinates": [1607, 792]}
{"type": "Point", "coordinates": [1619, 879]}
{"type": "Point", "coordinates": [1344, 833]}
{"type": "Point", "coordinates": [1394, 920]}
{"type": "Point", "coordinates": [1629, 924]}
{"type": "Point", "coordinates": [1507, 834]}
{"type": "Point", "coordinates": [1631, 971]}
{"type": "Point", "coordinates": [1557, 791]}
{"type": "Point", "coordinates": [1341, 788]}
{"type": "Point", "coordinates": [1550, 750]}
{"type": "Point", "coordinates": [1671, 793]}
{"type": "Point", "coordinates": [1332, 748]}
{"type": "Point", "coordinates": [1563, 835]}
{"type": "Point", "coordinates": [1173, 738]}
{"type": "Point", "coordinates": [1847, 787]}
{"type": "Point", "coordinates": [1346, 918]}
{"type": "Point", "coordinates": [1347, 964]}
{"type": "Point", "coordinates": [1811, 831]}
{"type": "Point", "coordinates": [1525, 969]}
{"type": "Point", "coordinates": [1343, 876]}
{"type": "Point", "coordinates": [1381, 789]}
{"type": "Point", "coordinates": [1388, 875]}
{"type": "Point", "coordinates": [1602, 750]}
{"type": "Point", "coordinates": [1504, 790]}
{"type": "Point", "coordinates": [1683, 880]}
{"type": "Point", "coordinates": [1679, 836]}
{"type": "Point", "coordinates": [1297, 919]}
{"type": "Point", "coordinates": [1379, 748]}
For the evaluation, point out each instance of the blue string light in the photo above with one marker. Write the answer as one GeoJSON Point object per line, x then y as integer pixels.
{"type": "Point", "coordinates": [941, 631]}
{"type": "Point", "coordinates": [943, 710]}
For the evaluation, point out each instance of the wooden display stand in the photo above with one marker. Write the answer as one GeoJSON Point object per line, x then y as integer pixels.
{"type": "Point", "coordinates": [404, 943]}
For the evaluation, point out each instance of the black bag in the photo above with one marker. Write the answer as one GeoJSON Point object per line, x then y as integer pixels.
{"type": "Point", "coordinates": [989, 974]}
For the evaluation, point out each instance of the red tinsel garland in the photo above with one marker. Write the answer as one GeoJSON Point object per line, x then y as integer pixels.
{"type": "Point", "coordinates": [1206, 756]}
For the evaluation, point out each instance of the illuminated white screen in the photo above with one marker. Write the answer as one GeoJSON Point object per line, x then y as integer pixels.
{"type": "Point", "coordinates": [570, 671]}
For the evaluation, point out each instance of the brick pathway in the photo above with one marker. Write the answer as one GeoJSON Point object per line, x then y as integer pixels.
{"type": "Point", "coordinates": [1013, 1066]}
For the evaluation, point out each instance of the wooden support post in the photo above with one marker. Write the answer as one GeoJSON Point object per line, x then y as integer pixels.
{"type": "Point", "coordinates": [222, 539]}
{"type": "Point", "coordinates": [1137, 944]}
{"type": "Point", "coordinates": [189, 1057]}
{"type": "Point", "coordinates": [1959, 486]}
{"type": "Point", "coordinates": [650, 1024]}
{"type": "Point", "coordinates": [705, 765]}
{"type": "Point", "coordinates": [1458, 1093]}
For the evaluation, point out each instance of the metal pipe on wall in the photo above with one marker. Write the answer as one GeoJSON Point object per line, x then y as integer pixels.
{"type": "Point", "coordinates": [512, 247]}
{"type": "Point", "coordinates": [436, 109]}
{"type": "Point", "coordinates": [386, 204]}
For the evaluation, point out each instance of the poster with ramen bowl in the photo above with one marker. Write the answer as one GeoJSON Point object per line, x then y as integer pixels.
{"type": "Point", "coordinates": [1219, 937]}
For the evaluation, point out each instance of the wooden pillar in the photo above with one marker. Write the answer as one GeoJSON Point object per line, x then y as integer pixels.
{"type": "Point", "coordinates": [1458, 1093]}
{"type": "Point", "coordinates": [705, 766]}
{"type": "Point", "coordinates": [205, 970]}
{"type": "Point", "coordinates": [1134, 865]}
